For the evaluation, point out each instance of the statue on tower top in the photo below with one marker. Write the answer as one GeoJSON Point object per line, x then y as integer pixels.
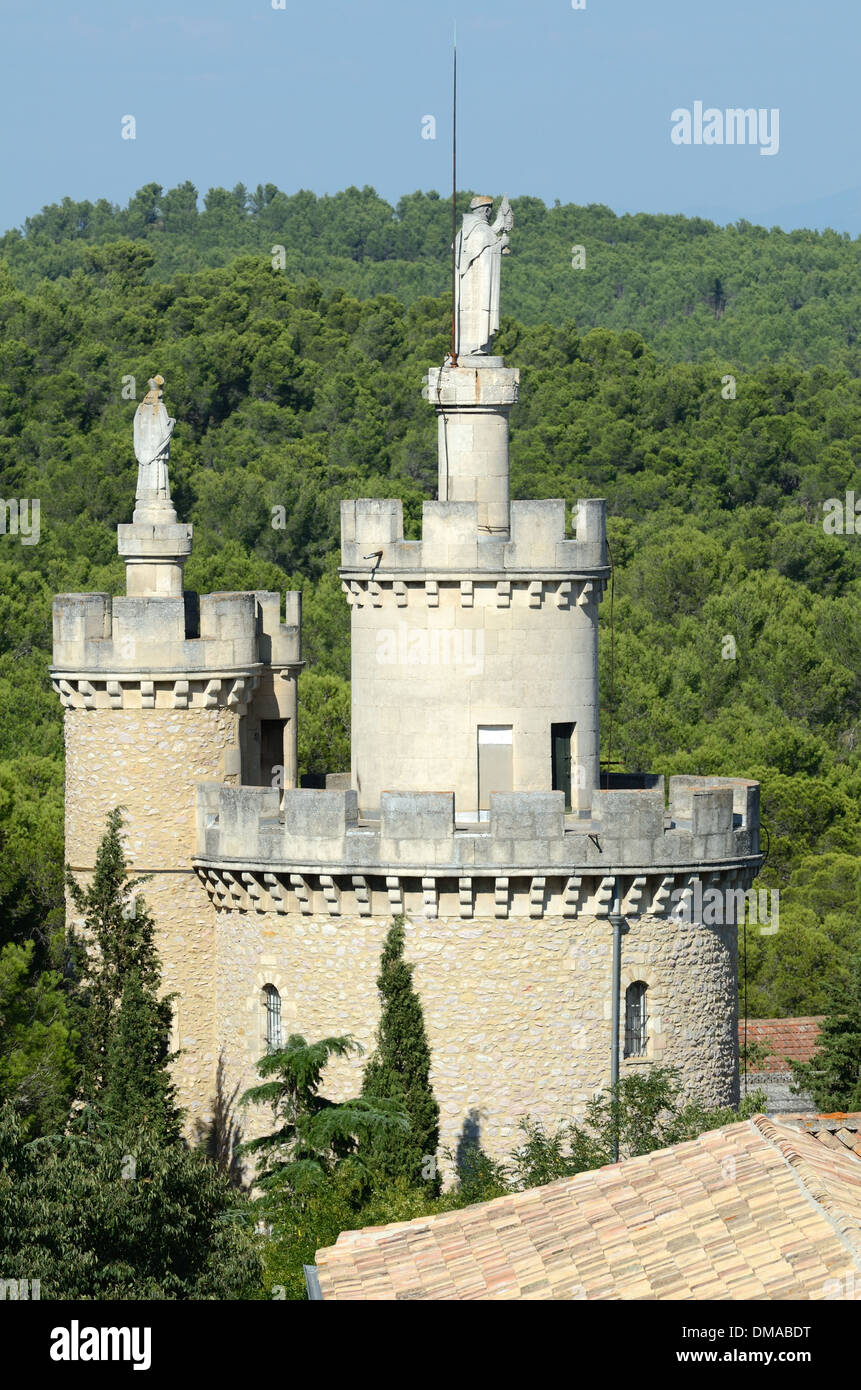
{"type": "Point", "coordinates": [479, 247]}
{"type": "Point", "coordinates": [153, 428]}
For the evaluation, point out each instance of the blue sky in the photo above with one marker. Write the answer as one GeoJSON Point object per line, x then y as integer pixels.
{"type": "Point", "coordinates": [555, 102]}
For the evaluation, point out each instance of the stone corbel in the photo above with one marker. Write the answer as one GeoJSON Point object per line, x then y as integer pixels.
{"type": "Point", "coordinates": [661, 899]}
{"type": "Point", "coordinates": [237, 895]}
{"type": "Point", "coordinates": [571, 897]}
{"type": "Point", "coordinates": [536, 897]}
{"type": "Point", "coordinates": [395, 892]}
{"type": "Point", "coordinates": [464, 893]}
{"type": "Point", "coordinates": [303, 894]}
{"type": "Point", "coordinates": [275, 889]}
{"type": "Point", "coordinates": [332, 895]}
{"type": "Point", "coordinates": [238, 694]}
{"type": "Point", "coordinates": [500, 897]}
{"type": "Point", "coordinates": [66, 693]}
{"type": "Point", "coordinates": [633, 897]}
{"type": "Point", "coordinates": [604, 896]}
{"type": "Point", "coordinates": [252, 888]}
{"type": "Point", "coordinates": [363, 895]}
{"type": "Point", "coordinates": [218, 888]}
{"type": "Point", "coordinates": [431, 906]}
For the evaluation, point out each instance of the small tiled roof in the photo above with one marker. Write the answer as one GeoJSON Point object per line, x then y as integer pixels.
{"type": "Point", "coordinates": [790, 1039]}
{"type": "Point", "coordinates": [755, 1210]}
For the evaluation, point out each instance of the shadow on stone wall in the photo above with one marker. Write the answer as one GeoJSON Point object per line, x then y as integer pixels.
{"type": "Point", "coordinates": [470, 1161]}
{"type": "Point", "coordinates": [221, 1136]}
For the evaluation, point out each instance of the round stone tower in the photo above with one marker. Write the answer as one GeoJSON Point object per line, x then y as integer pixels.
{"type": "Point", "coordinates": [475, 807]}
{"type": "Point", "coordinates": [161, 692]}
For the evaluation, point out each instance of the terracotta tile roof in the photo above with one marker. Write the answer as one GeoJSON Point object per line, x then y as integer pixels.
{"type": "Point", "coordinates": [756, 1210]}
{"type": "Point", "coordinates": [837, 1131]}
{"type": "Point", "coordinates": [791, 1040]}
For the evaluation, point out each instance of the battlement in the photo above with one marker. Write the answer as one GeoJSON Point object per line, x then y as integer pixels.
{"type": "Point", "coordinates": [98, 635]}
{"type": "Point", "coordinates": [709, 822]}
{"type": "Point", "coordinates": [372, 539]}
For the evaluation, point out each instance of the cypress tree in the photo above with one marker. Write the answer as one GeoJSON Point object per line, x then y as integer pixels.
{"type": "Point", "coordinates": [399, 1070]}
{"type": "Point", "coordinates": [123, 1024]}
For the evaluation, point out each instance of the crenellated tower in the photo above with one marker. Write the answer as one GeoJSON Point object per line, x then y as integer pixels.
{"type": "Point", "coordinates": [474, 804]}
{"type": "Point", "coordinates": [162, 691]}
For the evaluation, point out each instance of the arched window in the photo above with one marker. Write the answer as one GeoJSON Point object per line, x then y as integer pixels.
{"type": "Point", "coordinates": [272, 1011]}
{"type": "Point", "coordinates": [636, 1019]}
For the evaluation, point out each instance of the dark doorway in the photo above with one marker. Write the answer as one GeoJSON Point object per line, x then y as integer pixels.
{"type": "Point", "coordinates": [561, 736]}
{"type": "Point", "coordinates": [272, 752]}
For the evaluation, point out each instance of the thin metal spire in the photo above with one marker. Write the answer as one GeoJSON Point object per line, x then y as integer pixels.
{"type": "Point", "coordinates": [454, 201]}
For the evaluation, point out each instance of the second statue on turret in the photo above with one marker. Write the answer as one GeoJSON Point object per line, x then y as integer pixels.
{"type": "Point", "coordinates": [153, 428]}
{"type": "Point", "coordinates": [479, 247]}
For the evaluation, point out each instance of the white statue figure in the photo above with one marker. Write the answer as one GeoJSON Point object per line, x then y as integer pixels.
{"type": "Point", "coordinates": [152, 431]}
{"type": "Point", "coordinates": [480, 245]}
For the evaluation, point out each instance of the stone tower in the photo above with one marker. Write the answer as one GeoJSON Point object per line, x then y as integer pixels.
{"type": "Point", "coordinates": [161, 692]}
{"type": "Point", "coordinates": [475, 803]}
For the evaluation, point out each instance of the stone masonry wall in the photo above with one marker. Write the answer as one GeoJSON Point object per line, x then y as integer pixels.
{"type": "Point", "coordinates": [517, 1012]}
{"type": "Point", "coordinates": [149, 761]}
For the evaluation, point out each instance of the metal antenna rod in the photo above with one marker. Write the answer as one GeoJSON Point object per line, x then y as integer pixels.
{"type": "Point", "coordinates": [454, 203]}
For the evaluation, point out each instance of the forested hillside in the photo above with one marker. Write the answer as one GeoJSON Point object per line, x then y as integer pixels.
{"type": "Point", "coordinates": [689, 287]}
{"type": "Point", "coordinates": [290, 392]}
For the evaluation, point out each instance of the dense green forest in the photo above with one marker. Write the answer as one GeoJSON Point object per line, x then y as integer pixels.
{"type": "Point", "coordinates": [691, 288]}
{"type": "Point", "coordinates": [290, 391]}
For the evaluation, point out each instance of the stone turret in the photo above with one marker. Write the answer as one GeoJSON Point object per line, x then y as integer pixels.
{"type": "Point", "coordinates": [162, 690]}
{"type": "Point", "coordinates": [474, 657]}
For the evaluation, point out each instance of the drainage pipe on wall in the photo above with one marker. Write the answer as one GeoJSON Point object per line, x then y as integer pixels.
{"type": "Point", "coordinates": [620, 927]}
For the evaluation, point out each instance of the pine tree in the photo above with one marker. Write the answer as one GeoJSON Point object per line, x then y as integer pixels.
{"type": "Point", "coordinates": [400, 1070]}
{"type": "Point", "coordinates": [833, 1074]}
{"type": "Point", "coordinates": [315, 1136]}
{"type": "Point", "coordinates": [124, 1025]}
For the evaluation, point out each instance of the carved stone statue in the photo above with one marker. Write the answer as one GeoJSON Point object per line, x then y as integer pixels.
{"type": "Point", "coordinates": [152, 431]}
{"type": "Point", "coordinates": [480, 245]}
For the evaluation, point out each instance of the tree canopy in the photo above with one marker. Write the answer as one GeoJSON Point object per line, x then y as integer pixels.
{"type": "Point", "coordinates": [736, 646]}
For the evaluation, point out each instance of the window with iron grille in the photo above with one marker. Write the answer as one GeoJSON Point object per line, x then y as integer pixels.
{"type": "Point", "coordinates": [272, 1007]}
{"type": "Point", "coordinates": [636, 1019]}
